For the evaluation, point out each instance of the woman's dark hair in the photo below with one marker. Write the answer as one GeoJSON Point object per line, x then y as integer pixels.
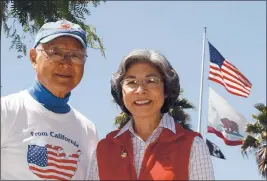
{"type": "Point", "coordinates": [169, 76]}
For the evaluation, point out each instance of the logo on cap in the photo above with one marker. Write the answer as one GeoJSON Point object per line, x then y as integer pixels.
{"type": "Point", "coordinates": [64, 26]}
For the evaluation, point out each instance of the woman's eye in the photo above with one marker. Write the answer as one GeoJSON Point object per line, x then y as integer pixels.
{"type": "Point", "coordinates": [131, 82]}
{"type": "Point", "coordinates": [151, 80]}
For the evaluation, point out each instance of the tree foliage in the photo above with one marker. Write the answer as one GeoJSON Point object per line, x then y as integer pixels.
{"type": "Point", "coordinates": [31, 15]}
{"type": "Point", "coordinates": [256, 138]}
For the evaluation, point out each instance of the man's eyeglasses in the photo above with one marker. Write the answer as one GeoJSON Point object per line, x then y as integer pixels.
{"type": "Point", "coordinates": [58, 55]}
{"type": "Point", "coordinates": [149, 82]}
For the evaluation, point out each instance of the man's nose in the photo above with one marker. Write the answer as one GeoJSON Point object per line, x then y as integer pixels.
{"type": "Point", "coordinates": [66, 59]}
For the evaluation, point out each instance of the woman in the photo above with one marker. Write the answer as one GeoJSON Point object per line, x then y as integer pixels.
{"type": "Point", "coordinates": [151, 146]}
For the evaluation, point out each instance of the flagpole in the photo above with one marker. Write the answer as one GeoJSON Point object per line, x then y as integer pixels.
{"type": "Point", "coordinates": [201, 81]}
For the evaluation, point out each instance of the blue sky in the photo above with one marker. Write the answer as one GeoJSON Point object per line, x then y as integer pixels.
{"type": "Point", "coordinates": [236, 29]}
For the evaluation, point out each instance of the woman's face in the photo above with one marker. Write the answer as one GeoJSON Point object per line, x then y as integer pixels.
{"type": "Point", "coordinates": [143, 90]}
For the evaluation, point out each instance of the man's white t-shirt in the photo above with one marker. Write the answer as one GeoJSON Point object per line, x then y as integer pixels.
{"type": "Point", "coordinates": [39, 144]}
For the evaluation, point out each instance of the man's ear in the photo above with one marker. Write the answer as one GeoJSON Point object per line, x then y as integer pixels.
{"type": "Point", "coordinates": [33, 56]}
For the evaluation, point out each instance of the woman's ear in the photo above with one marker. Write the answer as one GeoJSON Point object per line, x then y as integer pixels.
{"type": "Point", "coordinates": [33, 56]}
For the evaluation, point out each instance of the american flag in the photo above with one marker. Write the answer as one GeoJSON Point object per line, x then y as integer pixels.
{"type": "Point", "coordinates": [226, 74]}
{"type": "Point", "coordinates": [50, 162]}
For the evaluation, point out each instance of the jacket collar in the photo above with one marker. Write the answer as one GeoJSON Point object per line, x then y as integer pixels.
{"type": "Point", "coordinates": [123, 136]}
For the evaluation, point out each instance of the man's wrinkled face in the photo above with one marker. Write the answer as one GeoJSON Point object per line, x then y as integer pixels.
{"type": "Point", "coordinates": [58, 75]}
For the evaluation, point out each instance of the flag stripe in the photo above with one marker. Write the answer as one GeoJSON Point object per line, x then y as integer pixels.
{"type": "Point", "coordinates": [228, 79]}
{"type": "Point", "coordinates": [229, 84]}
{"type": "Point", "coordinates": [50, 171]}
{"type": "Point", "coordinates": [226, 141]}
{"type": "Point", "coordinates": [56, 148]}
{"type": "Point", "coordinates": [74, 155]}
{"type": "Point", "coordinates": [62, 160]}
{"type": "Point", "coordinates": [52, 177]}
{"type": "Point", "coordinates": [237, 71]}
{"type": "Point", "coordinates": [50, 162]}
{"type": "Point", "coordinates": [56, 154]}
{"type": "Point", "coordinates": [224, 121]}
{"type": "Point", "coordinates": [229, 76]}
{"type": "Point", "coordinates": [229, 87]}
{"type": "Point", "coordinates": [232, 72]}
{"type": "Point", "coordinates": [53, 168]}
{"type": "Point", "coordinates": [63, 164]}
{"type": "Point", "coordinates": [235, 92]}
{"type": "Point", "coordinates": [226, 75]}
{"type": "Point", "coordinates": [62, 167]}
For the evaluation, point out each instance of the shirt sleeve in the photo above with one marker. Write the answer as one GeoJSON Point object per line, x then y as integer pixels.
{"type": "Point", "coordinates": [200, 163]}
{"type": "Point", "coordinates": [93, 173]}
{"type": "Point", "coordinates": [8, 114]}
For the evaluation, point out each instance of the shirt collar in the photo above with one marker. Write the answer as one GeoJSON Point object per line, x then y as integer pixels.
{"type": "Point", "coordinates": [166, 122]}
{"type": "Point", "coordinates": [48, 100]}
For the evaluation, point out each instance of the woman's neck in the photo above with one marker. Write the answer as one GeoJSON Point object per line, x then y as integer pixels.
{"type": "Point", "coordinates": [144, 126]}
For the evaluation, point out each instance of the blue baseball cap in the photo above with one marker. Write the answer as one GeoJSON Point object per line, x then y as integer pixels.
{"type": "Point", "coordinates": [50, 31]}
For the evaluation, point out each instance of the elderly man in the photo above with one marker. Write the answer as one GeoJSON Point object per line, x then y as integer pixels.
{"type": "Point", "coordinates": [42, 136]}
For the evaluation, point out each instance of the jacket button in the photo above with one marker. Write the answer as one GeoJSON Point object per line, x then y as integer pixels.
{"type": "Point", "coordinates": [124, 154]}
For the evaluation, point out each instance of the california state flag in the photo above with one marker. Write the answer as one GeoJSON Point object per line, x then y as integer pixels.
{"type": "Point", "coordinates": [224, 120]}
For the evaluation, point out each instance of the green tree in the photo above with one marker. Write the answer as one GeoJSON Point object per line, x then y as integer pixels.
{"type": "Point", "coordinates": [176, 111]}
{"type": "Point", "coordinates": [31, 15]}
{"type": "Point", "coordinates": [256, 138]}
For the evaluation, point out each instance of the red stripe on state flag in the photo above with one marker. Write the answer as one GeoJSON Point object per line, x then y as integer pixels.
{"type": "Point", "coordinates": [226, 141]}
{"type": "Point", "coordinates": [224, 121]}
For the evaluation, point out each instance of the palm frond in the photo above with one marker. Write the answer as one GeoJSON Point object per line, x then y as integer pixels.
{"type": "Point", "coordinates": [177, 111]}
{"type": "Point", "coordinates": [261, 107]}
{"type": "Point", "coordinates": [262, 115]}
{"type": "Point", "coordinates": [261, 159]}
{"type": "Point", "coordinates": [250, 143]}
{"type": "Point", "coordinates": [183, 103]}
{"type": "Point", "coordinates": [255, 128]}
{"type": "Point", "coordinates": [257, 138]}
{"type": "Point", "coordinates": [121, 120]}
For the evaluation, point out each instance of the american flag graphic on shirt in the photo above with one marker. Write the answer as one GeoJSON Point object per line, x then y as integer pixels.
{"type": "Point", "coordinates": [51, 163]}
